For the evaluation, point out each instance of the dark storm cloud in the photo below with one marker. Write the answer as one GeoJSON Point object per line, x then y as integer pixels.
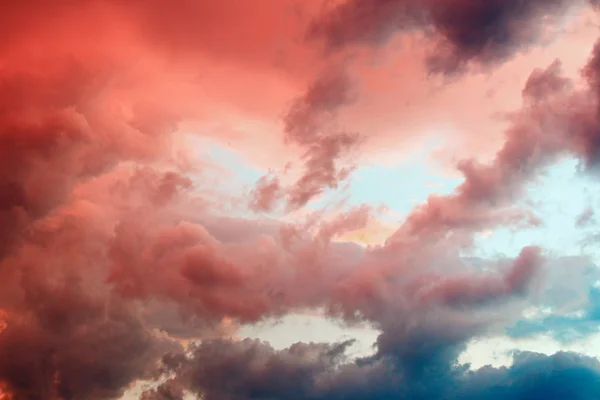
{"type": "Point", "coordinates": [254, 370]}
{"type": "Point", "coordinates": [484, 32]}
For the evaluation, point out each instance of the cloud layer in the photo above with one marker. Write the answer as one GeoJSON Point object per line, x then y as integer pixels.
{"type": "Point", "coordinates": [115, 247]}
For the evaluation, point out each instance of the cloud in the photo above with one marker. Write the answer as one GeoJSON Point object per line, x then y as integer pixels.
{"type": "Point", "coordinates": [266, 194]}
{"type": "Point", "coordinates": [319, 371]}
{"type": "Point", "coordinates": [468, 290]}
{"type": "Point", "coordinates": [585, 218]}
{"type": "Point", "coordinates": [555, 120]}
{"type": "Point", "coordinates": [569, 308]}
{"type": "Point", "coordinates": [464, 32]}
{"type": "Point", "coordinates": [321, 171]}
{"type": "Point", "coordinates": [310, 123]}
{"type": "Point", "coordinates": [112, 249]}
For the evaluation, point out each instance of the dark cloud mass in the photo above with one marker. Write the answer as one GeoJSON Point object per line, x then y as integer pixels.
{"type": "Point", "coordinates": [253, 370]}
{"type": "Point", "coordinates": [464, 31]}
{"type": "Point", "coordinates": [113, 248]}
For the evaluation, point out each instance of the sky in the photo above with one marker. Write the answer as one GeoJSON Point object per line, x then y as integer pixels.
{"type": "Point", "coordinates": [282, 199]}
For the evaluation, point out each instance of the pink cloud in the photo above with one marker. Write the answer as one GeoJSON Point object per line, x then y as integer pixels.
{"type": "Point", "coordinates": [103, 221]}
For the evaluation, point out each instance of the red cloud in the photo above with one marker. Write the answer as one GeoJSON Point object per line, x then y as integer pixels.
{"type": "Point", "coordinates": [100, 221]}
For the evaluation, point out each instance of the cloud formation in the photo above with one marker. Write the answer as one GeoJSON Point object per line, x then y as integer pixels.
{"type": "Point", "coordinates": [320, 372]}
{"type": "Point", "coordinates": [114, 246]}
{"type": "Point", "coordinates": [463, 32]}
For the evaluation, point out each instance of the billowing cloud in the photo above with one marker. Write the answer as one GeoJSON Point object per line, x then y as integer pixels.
{"type": "Point", "coordinates": [319, 371]}
{"type": "Point", "coordinates": [115, 248]}
{"type": "Point", "coordinates": [463, 31]}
